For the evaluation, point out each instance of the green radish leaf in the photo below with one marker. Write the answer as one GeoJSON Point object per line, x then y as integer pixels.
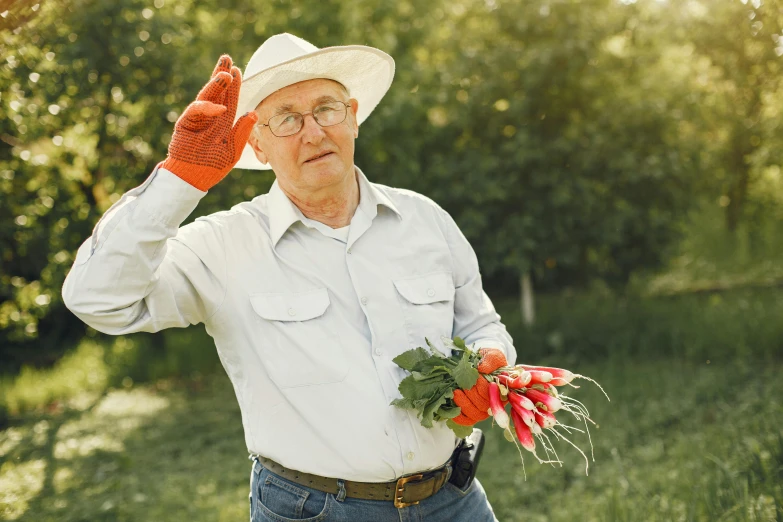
{"type": "Point", "coordinates": [458, 429]}
{"type": "Point", "coordinates": [436, 353]}
{"type": "Point", "coordinates": [403, 402]}
{"type": "Point", "coordinates": [413, 389]}
{"type": "Point", "coordinates": [432, 406]}
{"type": "Point", "coordinates": [449, 412]}
{"type": "Point", "coordinates": [420, 403]}
{"type": "Point", "coordinates": [437, 377]}
{"type": "Point", "coordinates": [459, 343]}
{"type": "Point", "coordinates": [407, 360]}
{"type": "Point", "coordinates": [465, 374]}
{"type": "Point", "coordinates": [433, 364]}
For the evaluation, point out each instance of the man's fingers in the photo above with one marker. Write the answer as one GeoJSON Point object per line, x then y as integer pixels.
{"type": "Point", "coordinates": [482, 388]}
{"type": "Point", "coordinates": [492, 359]}
{"type": "Point", "coordinates": [232, 94]}
{"type": "Point", "coordinates": [223, 65]}
{"type": "Point", "coordinates": [199, 115]}
{"type": "Point", "coordinates": [241, 132]}
{"type": "Point", "coordinates": [214, 90]}
{"type": "Point", "coordinates": [464, 420]}
{"type": "Point", "coordinates": [467, 407]}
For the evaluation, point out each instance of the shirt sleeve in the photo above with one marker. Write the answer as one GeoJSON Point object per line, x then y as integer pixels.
{"type": "Point", "coordinates": [475, 318]}
{"type": "Point", "coordinates": [141, 272]}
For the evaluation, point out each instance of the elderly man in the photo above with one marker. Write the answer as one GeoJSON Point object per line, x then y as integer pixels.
{"type": "Point", "coordinates": [309, 291]}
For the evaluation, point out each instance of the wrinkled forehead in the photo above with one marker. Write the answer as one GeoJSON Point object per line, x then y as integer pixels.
{"type": "Point", "coordinates": [302, 93]}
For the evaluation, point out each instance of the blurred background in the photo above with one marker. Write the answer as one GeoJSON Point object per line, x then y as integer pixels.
{"type": "Point", "coordinates": [616, 165]}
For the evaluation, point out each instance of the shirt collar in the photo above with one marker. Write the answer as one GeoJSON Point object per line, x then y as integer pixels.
{"type": "Point", "coordinates": [283, 213]}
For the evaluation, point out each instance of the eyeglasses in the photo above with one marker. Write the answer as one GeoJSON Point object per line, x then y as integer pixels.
{"type": "Point", "coordinates": [289, 123]}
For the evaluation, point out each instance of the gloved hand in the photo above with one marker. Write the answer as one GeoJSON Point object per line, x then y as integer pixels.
{"type": "Point", "coordinates": [474, 402]}
{"type": "Point", "coordinates": [205, 147]}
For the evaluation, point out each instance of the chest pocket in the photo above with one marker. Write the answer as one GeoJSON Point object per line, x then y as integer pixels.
{"type": "Point", "coordinates": [428, 307]}
{"type": "Point", "coordinates": [299, 345]}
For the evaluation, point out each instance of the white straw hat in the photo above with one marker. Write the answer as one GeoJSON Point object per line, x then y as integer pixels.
{"type": "Point", "coordinates": [285, 59]}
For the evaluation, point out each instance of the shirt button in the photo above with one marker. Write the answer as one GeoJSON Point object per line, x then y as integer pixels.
{"type": "Point", "coordinates": [349, 250]}
{"type": "Point", "coordinates": [291, 312]}
{"type": "Point", "coordinates": [411, 456]}
{"type": "Point", "coordinates": [364, 300]}
{"type": "Point", "coordinates": [378, 351]}
{"type": "Point", "coordinates": [431, 292]}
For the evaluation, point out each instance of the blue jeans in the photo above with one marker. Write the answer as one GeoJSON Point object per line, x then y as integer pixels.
{"type": "Point", "coordinates": [273, 498]}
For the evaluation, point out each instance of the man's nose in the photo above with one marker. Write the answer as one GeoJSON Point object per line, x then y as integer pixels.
{"type": "Point", "coordinates": [312, 132]}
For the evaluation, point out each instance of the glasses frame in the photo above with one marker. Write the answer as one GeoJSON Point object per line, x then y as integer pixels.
{"type": "Point", "coordinates": [303, 114]}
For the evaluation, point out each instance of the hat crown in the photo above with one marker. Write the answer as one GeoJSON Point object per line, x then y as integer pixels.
{"type": "Point", "coordinates": [276, 50]}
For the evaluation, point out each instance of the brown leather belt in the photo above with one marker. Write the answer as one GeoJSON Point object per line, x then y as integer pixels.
{"type": "Point", "coordinates": [405, 491]}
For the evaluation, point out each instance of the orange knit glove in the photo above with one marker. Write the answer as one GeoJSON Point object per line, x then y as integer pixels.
{"type": "Point", "coordinates": [474, 402]}
{"type": "Point", "coordinates": [205, 147]}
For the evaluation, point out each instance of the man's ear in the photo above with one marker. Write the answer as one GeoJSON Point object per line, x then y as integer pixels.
{"type": "Point", "coordinates": [256, 146]}
{"type": "Point", "coordinates": [354, 109]}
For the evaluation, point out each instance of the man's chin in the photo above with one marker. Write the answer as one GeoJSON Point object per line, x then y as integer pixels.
{"type": "Point", "coordinates": [325, 170]}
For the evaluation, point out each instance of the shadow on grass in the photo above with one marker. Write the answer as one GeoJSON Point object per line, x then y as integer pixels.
{"type": "Point", "coordinates": [169, 452]}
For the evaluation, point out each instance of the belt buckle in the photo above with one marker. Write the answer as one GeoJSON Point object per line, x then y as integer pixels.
{"type": "Point", "coordinates": [400, 487]}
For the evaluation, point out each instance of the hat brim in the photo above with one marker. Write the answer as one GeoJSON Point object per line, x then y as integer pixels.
{"type": "Point", "coordinates": [366, 72]}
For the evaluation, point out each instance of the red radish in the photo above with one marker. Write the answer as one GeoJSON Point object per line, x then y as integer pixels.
{"type": "Point", "coordinates": [523, 379]}
{"type": "Point", "coordinates": [545, 419]}
{"type": "Point", "coordinates": [520, 401]}
{"type": "Point", "coordinates": [515, 381]}
{"type": "Point", "coordinates": [523, 432]}
{"type": "Point", "coordinates": [560, 376]}
{"type": "Point", "coordinates": [539, 376]}
{"type": "Point", "coordinates": [496, 405]}
{"type": "Point", "coordinates": [535, 429]}
{"type": "Point", "coordinates": [508, 381]}
{"type": "Point", "coordinates": [550, 389]}
{"type": "Point", "coordinates": [547, 402]}
{"type": "Point", "coordinates": [526, 415]}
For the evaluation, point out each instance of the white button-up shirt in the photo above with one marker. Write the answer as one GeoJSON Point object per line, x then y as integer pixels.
{"type": "Point", "coordinates": [306, 319]}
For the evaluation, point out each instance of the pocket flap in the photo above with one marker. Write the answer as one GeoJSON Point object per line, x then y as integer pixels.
{"type": "Point", "coordinates": [291, 306]}
{"type": "Point", "coordinates": [427, 289]}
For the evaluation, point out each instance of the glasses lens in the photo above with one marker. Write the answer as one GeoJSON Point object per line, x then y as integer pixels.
{"type": "Point", "coordinates": [329, 114]}
{"type": "Point", "coordinates": [285, 124]}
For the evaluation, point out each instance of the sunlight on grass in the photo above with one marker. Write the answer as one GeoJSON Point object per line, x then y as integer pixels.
{"type": "Point", "coordinates": [106, 426]}
{"type": "Point", "coordinates": [82, 370]}
{"type": "Point", "coordinates": [98, 431]}
{"type": "Point", "coordinates": [18, 484]}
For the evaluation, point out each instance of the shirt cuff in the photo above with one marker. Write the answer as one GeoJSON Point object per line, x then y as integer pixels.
{"type": "Point", "coordinates": [167, 198]}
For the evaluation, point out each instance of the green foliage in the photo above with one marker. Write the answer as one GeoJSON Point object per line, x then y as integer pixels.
{"type": "Point", "coordinates": [411, 359]}
{"type": "Point", "coordinates": [465, 374]}
{"type": "Point", "coordinates": [99, 363]}
{"type": "Point", "coordinates": [568, 140]}
{"type": "Point", "coordinates": [573, 328]}
{"type": "Point", "coordinates": [433, 378]}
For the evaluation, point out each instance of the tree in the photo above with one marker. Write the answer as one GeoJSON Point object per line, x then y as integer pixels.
{"type": "Point", "coordinates": [743, 41]}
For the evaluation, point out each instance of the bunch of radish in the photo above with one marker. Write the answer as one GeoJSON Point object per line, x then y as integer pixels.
{"type": "Point", "coordinates": [533, 396]}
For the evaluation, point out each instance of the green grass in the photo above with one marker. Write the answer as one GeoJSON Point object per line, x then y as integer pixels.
{"type": "Point", "coordinates": [677, 442]}
{"type": "Point", "coordinates": [572, 328]}
{"type": "Point", "coordinates": [167, 451]}
{"type": "Point", "coordinates": [101, 362]}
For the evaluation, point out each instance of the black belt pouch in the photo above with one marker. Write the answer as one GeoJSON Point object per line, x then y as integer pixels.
{"type": "Point", "coordinates": [466, 458]}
